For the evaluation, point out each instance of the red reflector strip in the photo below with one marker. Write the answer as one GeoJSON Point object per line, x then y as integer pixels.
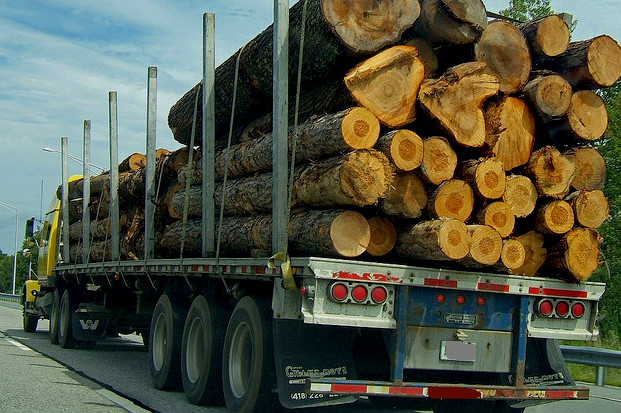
{"type": "Point", "coordinates": [561, 394]}
{"type": "Point", "coordinates": [434, 282]}
{"type": "Point", "coordinates": [348, 388]}
{"type": "Point", "coordinates": [407, 391]}
{"type": "Point", "coordinates": [557, 292]}
{"type": "Point", "coordinates": [194, 268]}
{"type": "Point", "coordinates": [259, 270]}
{"type": "Point", "coordinates": [453, 393]}
{"type": "Point", "coordinates": [503, 288]}
{"type": "Point", "coordinates": [344, 275]}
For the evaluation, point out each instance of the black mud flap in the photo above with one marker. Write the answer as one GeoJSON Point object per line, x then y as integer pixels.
{"type": "Point", "coordinates": [89, 326]}
{"type": "Point", "coordinates": [304, 351]}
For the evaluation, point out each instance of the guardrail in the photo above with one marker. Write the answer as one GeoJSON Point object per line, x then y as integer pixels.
{"type": "Point", "coordinates": [10, 297]}
{"type": "Point", "coordinates": [593, 356]}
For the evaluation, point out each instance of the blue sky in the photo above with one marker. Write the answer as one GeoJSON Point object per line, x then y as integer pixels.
{"type": "Point", "coordinates": [59, 59]}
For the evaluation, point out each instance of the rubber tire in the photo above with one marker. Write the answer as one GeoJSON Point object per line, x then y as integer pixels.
{"type": "Point", "coordinates": [29, 322]}
{"type": "Point", "coordinates": [201, 351]}
{"type": "Point", "coordinates": [54, 314]}
{"type": "Point", "coordinates": [65, 327]}
{"type": "Point", "coordinates": [165, 343]}
{"type": "Point", "coordinates": [248, 373]}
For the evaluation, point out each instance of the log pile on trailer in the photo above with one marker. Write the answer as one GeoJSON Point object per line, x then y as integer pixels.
{"type": "Point", "coordinates": [426, 133]}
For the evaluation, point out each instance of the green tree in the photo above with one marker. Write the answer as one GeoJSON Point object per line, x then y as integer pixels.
{"type": "Point", "coordinates": [525, 10]}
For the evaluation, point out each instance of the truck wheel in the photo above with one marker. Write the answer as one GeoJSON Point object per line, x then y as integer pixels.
{"type": "Point", "coordinates": [248, 361]}
{"type": "Point", "coordinates": [29, 322]}
{"type": "Point", "coordinates": [165, 343]}
{"type": "Point", "coordinates": [65, 330]}
{"type": "Point", "coordinates": [54, 315]}
{"type": "Point", "coordinates": [201, 352]}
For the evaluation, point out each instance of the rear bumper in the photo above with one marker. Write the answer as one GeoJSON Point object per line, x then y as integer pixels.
{"type": "Point", "coordinates": [446, 392]}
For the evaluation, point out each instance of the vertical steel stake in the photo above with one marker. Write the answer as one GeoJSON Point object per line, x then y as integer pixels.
{"type": "Point", "coordinates": [113, 127]}
{"type": "Point", "coordinates": [208, 146]}
{"type": "Point", "coordinates": [149, 200]}
{"type": "Point", "coordinates": [65, 198]}
{"type": "Point", "coordinates": [86, 192]}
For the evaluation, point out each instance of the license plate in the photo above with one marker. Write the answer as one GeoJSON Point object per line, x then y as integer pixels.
{"type": "Point", "coordinates": [458, 351]}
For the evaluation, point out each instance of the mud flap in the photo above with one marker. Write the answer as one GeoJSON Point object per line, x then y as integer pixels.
{"type": "Point", "coordinates": [88, 326]}
{"type": "Point", "coordinates": [309, 351]}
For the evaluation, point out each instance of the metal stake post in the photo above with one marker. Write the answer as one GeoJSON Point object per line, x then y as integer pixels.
{"type": "Point", "coordinates": [149, 200]}
{"type": "Point", "coordinates": [86, 192]}
{"type": "Point", "coordinates": [280, 147]}
{"type": "Point", "coordinates": [65, 198]}
{"type": "Point", "coordinates": [208, 147]}
{"type": "Point", "coordinates": [114, 177]}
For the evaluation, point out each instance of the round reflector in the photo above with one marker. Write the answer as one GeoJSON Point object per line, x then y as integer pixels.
{"type": "Point", "coordinates": [562, 308]}
{"type": "Point", "coordinates": [359, 293]}
{"type": "Point", "coordinates": [440, 298]}
{"type": "Point", "coordinates": [577, 310]}
{"type": "Point", "coordinates": [480, 301]}
{"type": "Point", "coordinates": [379, 295]}
{"type": "Point", "coordinates": [545, 308]}
{"type": "Point", "coordinates": [461, 299]}
{"type": "Point", "coordinates": [339, 291]}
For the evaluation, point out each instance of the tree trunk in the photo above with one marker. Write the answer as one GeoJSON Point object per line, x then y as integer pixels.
{"type": "Point", "coordinates": [485, 176]}
{"type": "Point", "coordinates": [546, 36]}
{"type": "Point", "coordinates": [333, 233]}
{"type": "Point", "coordinates": [503, 47]}
{"type": "Point", "coordinates": [336, 33]}
{"type": "Point", "coordinates": [455, 99]}
{"type": "Point", "coordinates": [554, 217]}
{"type": "Point", "coordinates": [452, 199]}
{"type": "Point", "coordinates": [451, 21]}
{"type": "Point", "coordinates": [548, 96]}
{"type": "Point", "coordinates": [439, 160]}
{"type": "Point", "coordinates": [586, 120]}
{"type": "Point", "coordinates": [387, 84]}
{"type": "Point", "coordinates": [588, 64]}
{"type": "Point", "coordinates": [383, 236]}
{"type": "Point", "coordinates": [590, 168]}
{"type": "Point", "coordinates": [403, 147]}
{"type": "Point", "coordinates": [513, 255]}
{"type": "Point", "coordinates": [499, 216]}
{"type": "Point", "coordinates": [75, 187]}
{"type": "Point", "coordinates": [426, 55]}
{"type": "Point", "coordinates": [133, 162]}
{"type": "Point", "coordinates": [99, 230]}
{"type": "Point", "coordinates": [551, 172]}
{"type": "Point", "coordinates": [510, 133]}
{"type": "Point", "coordinates": [535, 254]}
{"type": "Point", "coordinates": [406, 197]}
{"type": "Point", "coordinates": [437, 240]}
{"type": "Point", "coordinates": [485, 247]}
{"type": "Point", "coordinates": [576, 255]}
{"type": "Point", "coordinates": [520, 194]}
{"type": "Point", "coordinates": [590, 208]}
{"type": "Point", "coordinates": [355, 128]}
{"type": "Point", "coordinates": [99, 252]}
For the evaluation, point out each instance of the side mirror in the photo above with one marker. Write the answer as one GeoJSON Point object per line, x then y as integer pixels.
{"type": "Point", "coordinates": [30, 224]}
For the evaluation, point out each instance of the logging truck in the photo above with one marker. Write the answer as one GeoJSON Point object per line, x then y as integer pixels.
{"type": "Point", "coordinates": [435, 266]}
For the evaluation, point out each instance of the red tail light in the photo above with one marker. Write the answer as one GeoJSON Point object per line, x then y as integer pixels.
{"type": "Point", "coordinates": [339, 291]}
{"type": "Point", "coordinates": [359, 293]}
{"type": "Point", "coordinates": [577, 310]}
{"type": "Point", "coordinates": [545, 308]}
{"type": "Point", "coordinates": [379, 295]}
{"type": "Point", "coordinates": [562, 308]}
{"type": "Point", "coordinates": [461, 299]}
{"type": "Point", "coordinates": [440, 298]}
{"type": "Point", "coordinates": [481, 301]}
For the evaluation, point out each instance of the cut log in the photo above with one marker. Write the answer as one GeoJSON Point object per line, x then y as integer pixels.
{"type": "Point", "coordinates": [485, 247]}
{"type": "Point", "coordinates": [590, 208]}
{"type": "Point", "coordinates": [510, 131]}
{"type": "Point", "coordinates": [455, 99]}
{"type": "Point", "coordinates": [520, 194]}
{"type": "Point", "coordinates": [586, 120]}
{"type": "Point", "coordinates": [354, 128]}
{"type": "Point", "coordinates": [576, 255]}
{"type": "Point", "coordinates": [426, 54]}
{"type": "Point", "coordinates": [406, 197]}
{"type": "Point", "coordinates": [383, 236]}
{"type": "Point", "coordinates": [554, 217]}
{"type": "Point", "coordinates": [439, 160]}
{"type": "Point", "coordinates": [588, 64]}
{"type": "Point", "coordinates": [590, 168]}
{"type": "Point", "coordinates": [387, 84]}
{"type": "Point", "coordinates": [452, 199]}
{"type": "Point", "coordinates": [336, 33]}
{"type": "Point", "coordinates": [333, 233]}
{"type": "Point", "coordinates": [403, 147]}
{"type": "Point", "coordinates": [535, 253]}
{"type": "Point", "coordinates": [546, 36]}
{"type": "Point", "coordinates": [99, 252]}
{"type": "Point", "coordinates": [513, 254]}
{"type": "Point", "coordinates": [548, 96]}
{"type": "Point", "coordinates": [499, 216]}
{"type": "Point", "coordinates": [133, 162]}
{"type": "Point", "coordinates": [437, 240]}
{"type": "Point", "coordinates": [485, 176]}
{"type": "Point", "coordinates": [75, 187]}
{"type": "Point", "coordinates": [503, 47]}
{"type": "Point", "coordinates": [451, 21]}
{"type": "Point", "coordinates": [99, 230]}
{"type": "Point", "coordinates": [551, 172]}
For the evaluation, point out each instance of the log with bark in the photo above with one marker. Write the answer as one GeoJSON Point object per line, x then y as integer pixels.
{"type": "Point", "coordinates": [439, 160]}
{"type": "Point", "coordinates": [452, 199]}
{"type": "Point", "coordinates": [575, 256]}
{"type": "Point", "coordinates": [451, 21]}
{"type": "Point", "coordinates": [520, 194]}
{"type": "Point", "coordinates": [590, 208]}
{"type": "Point", "coordinates": [387, 84]}
{"type": "Point", "coordinates": [485, 176]}
{"type": "Point", "coordinates": [336, 34]}
{"type": "Point", "coordinates": [551, 172]}
{"type": "Point", "coordinates": [548, 95]}
{"type": "Point", "coordinates": [503, 47]}
{"type": "Point", "coordinates": [585, 121]}
{"type": "Point", "coordinates": [437, 240]}
{"type": "Point", "coordinates": [535, 252]}
{"type": "Point", "coordinates": [383, 236]}
{"type": "Point", "coordinates": [403, 147]}
{"type": "Point", "coordinates": [405, 198]}
{"type": "Point", "coordinates": [455, 99]}
{"type": "Point", "coordinates": [588, 64]}
{"type": "Point", "coordinates": [546, 36]}
{"type": "Point", "coordinates": [426, 54]}
{"type": "Point", "coordinates": [499, 216]}
{"type": "Point", "coordinates": [75, 187]}
{"type": "Point", "coordinates": [133, 162]}
{"type": "Point", "coordinates": [554, 217]}
{"type": "Point", "coordinates": [98, 229]}
{"type": "Point", "coordinates": [590, 168]}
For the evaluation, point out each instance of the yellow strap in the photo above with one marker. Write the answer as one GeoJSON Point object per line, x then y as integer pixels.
{"type": "Point", "coordinates": [285, 268]}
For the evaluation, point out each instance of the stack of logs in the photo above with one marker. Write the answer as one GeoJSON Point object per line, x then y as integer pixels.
{"type": "Point", "coordinates": [427, 135]}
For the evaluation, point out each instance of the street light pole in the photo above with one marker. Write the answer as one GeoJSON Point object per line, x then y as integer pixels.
{"type": "Point", "coordinates": [74, 158]}
{"type": "Point", "coordinates": [16, 210]}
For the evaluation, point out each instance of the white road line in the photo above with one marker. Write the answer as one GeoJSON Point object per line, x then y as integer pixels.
{"type": "Point", "coordinates": [122, 402]}
{"type": "Point", "coordinates": [18, 345]}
